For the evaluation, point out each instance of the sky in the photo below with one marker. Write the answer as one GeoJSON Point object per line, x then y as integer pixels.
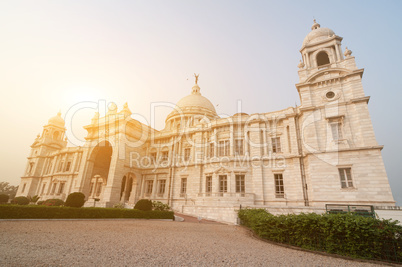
{"type": "Point", "coordinates": [56, 55]}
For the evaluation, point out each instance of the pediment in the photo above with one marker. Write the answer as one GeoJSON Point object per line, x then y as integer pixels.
{"type": "Point", "coordinates": [327, 74]}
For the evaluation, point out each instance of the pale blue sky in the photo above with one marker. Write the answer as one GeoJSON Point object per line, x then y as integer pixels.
{"type": "Point", "coordinates": [57, 53]}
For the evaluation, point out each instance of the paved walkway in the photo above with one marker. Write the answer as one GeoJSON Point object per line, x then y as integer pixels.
{"type": "Point", "coordinates": [191, 219]}
{"type": "Point", "coordinates": [144, 243]}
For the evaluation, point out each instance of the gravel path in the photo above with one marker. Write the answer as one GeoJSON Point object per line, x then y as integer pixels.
{"type": "Point", "coordinates": [144, 243]}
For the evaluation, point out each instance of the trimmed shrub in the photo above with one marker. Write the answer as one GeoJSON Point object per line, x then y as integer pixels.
{"type": "Point", "coordinates": [118, 206]}
{"type": "Point", "coordinates": [76, 200]}
{"type": "Point", "coordinates": [53, 202]}
{"type": "Point", "coordinates": [342, 234]}
{"type": "Point", "coordinates": [4, 198]}
{"type": "Point", "coordinates": [157, 205]}
{"type": "Point", "coordinates": [40, 202]}
{"type": "Point", "coordinates": [20, 201]}
{"type": "Point", "coordinates": [143, 204]}
{"type": "Point", "coordinates": [44, 212]}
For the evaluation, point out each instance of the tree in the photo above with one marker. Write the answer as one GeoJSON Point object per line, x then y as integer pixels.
{"type": "Point", "coordinates": [76, 200]}
{"type": "Point", "coordinates": [7, 189]}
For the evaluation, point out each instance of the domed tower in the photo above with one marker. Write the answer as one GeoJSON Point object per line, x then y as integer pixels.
{"type": "Point", "coordinates": [51, 140]}
{"type": "Point", "coordinates": [190, 110]}
{"type": "Point", "coordinates": [334, 127]}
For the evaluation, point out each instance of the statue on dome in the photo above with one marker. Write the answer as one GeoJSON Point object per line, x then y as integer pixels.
{"type": "Point", "coordinates": [196, 78]}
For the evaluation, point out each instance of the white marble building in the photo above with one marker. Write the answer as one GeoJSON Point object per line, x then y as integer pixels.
{"type": "Point", "coordinates": [323, 151]}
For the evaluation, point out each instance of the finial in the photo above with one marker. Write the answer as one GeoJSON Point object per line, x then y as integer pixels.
{"type": "Point", "coordinates": [59, 113]}
{"type": "Point", "coordinates": [126, 111]}
{"type": "Point", "coordinates": [315, 25]}
{"type": "Point", "coordinates": [300, 65]}
{"type": "Point", "coordinates": [347, 52]}
{"type": "Point", "coordinates": [196, 78]}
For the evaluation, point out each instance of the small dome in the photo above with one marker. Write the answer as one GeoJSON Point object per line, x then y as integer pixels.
{"type": "Point", "coordinates": [194, 104]}
{"type": "Point", "coordinates": [317, 34]}
{"type": "Point", "coordinates": [57, 120]}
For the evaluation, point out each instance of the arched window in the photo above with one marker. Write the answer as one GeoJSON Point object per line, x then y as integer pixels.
{"type": "Point", "coordinates": [55, 135]}
{"type": "Point", "coordinates": [322, 58]}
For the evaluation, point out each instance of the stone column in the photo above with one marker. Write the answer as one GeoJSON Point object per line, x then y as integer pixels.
{"type": "Point", "coordinates": [215, 143]}
{"type": "Point", "coordinates": [231, 145]}
{"type": "Point", "coordinates": [338, 54]}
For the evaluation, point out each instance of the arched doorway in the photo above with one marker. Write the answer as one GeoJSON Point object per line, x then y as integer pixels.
{"type": "Point", "coordinates": [101, 156]}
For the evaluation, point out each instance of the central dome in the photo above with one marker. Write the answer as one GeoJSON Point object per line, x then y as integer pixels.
{"type": "Point", "coordinates": [194, 104]}
{"type": "Point", "coordinates": [317, 34]}
{"type": "Point", "coordinates": [57, 120]}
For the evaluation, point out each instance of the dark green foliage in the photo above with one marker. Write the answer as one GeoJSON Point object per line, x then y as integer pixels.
{"type": "Point", "coordinates": [157, 205]}
{"type": "Point", "coordinates": [143, 204]}
{"type": "Point", "coordinates": [342, 234]}
{"type": "Point", "coordinates": [53, 202]}
{"type": "Point", "coordinates": [21, 201]}
{"type": "Point", "coordinates": [76, 200]}
{"type": "Point", "coordinates": [4, 198]}
{"type": "Point", "coordinates": [40, 202]}
{"type": "Point", "coordinates": [43, 212]}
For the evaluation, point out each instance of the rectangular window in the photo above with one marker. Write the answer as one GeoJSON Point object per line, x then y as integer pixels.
{"type": "Point", "coordinates": [183, 188]}
{"type": "Point", "coordinates": [30, 167]}
{"type": "Point", "coordinates": [211, 150]}
{"type": "Point", "coordinates": [187, 154]}
{"type": "Point", "coordinates": [346, 177]}
{"type": "Point", "coordinates": [162, 186]}
{"type": "Point", "coordinates": [240, 184]}
{"type": "Point", "coordinates": [60, 166]}
{"type": "Point", "coordinates": [239, 147]}
{"type": "Point", "coordinates": [208, 185]}
{"type": "Point", "coordinates": [279, 188]}
{"type": "Point", "coordinates": [276, 145]}
{"type": "Point", "coordinates": [150, 184]}
{"type": "Point", "coordinates": [165, 156]}
{"type": "Point", "coordinates": [68, 166]}
{"type": "Point", "coordinates": [23, 188]}
{"type": "Point", "coordinates": [43, 188]}
{"type": "Point", "coordinates": [54, 188]}
{"type": "Point", "coordinates": [224, 148]}
{"type": "Point", "coordinates": [223, 183]}
{"type": "Point", "coordinates": [336, 129]}
{"type": "Point", "coordinates": [153, 157]}
{"type": "Point", "coordinates": [50, 167]}
{"type": "Point", "coordinates": [61, 188]}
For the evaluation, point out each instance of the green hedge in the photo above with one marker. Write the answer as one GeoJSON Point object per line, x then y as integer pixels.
{"type": "Point", "coordinates": [342, 234]}
{"type": "Point", "coordinates": [44, 212]}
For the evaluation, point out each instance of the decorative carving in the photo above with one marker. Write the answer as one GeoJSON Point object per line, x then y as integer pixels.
{"type": "Point", "coordinates": [301, 65]}
{"type": "Point", "coordinates": [347, 52]}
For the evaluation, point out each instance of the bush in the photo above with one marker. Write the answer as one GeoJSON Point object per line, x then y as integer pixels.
{"type": "Point", "coordinates": [4, 198]}
{"type": "Point", "coordinates": [118, 206]}
{"type": "Point", "coordinates": [33, 199]}
{"type": "Point", "coordinates": [44, 212]}
{"type": "Point", "coordinates": [76, 200]}
{"type": "Point", "coordinates": [40, 202]}
{"type": "Point", "coordinates": [342, 234]}
{"type": "Point", "coordinates": [53, 202]}
{"type": "Point", "coordinates": [20, 201]}
{"type": "Point", "coordinates": [157, 205]}
{"type": "Point", "coordinates": [143, 204]}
